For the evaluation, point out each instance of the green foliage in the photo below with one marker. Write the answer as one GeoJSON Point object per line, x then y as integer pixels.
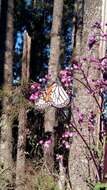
{"type": "Point", "coordinates": [100, 186]}
{"type": "Point", "coordinates": [15, 97]}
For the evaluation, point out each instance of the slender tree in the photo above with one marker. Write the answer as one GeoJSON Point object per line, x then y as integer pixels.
{"type": "Point", "coordinates": [6, 130]}
{"type": "Point", "coordinates": [50, 119]}
{"type": "Point", "coordinates": [21, 145]}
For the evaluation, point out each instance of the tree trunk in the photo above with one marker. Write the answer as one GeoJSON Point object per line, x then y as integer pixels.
{"type": "Point", "coordinates": [49, 122]}
{"type": "Point", "coordinates": [82, 170]}
{"type": "Point", "coordinates": [21, 146]}
{"type": "Point", "coordinates": [6, 130]}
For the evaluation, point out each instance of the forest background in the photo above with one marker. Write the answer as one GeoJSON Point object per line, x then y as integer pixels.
{"type": "Point", "coordinates": [41, 41]}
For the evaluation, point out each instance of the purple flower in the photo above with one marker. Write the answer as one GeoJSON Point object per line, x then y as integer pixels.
{"type": "Point", "coordinates": [34, 96]}
{"type": "Point", "coordinates": [35, 86]}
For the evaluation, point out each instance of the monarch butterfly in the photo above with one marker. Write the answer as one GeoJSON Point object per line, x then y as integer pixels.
{"type": "Point", "coordinates": [54, 95]}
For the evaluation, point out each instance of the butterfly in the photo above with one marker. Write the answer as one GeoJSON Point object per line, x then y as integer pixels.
{"type": "Point", "coordinates": [53, 95]}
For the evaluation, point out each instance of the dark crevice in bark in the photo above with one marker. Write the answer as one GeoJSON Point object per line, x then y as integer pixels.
{"type": "Point", "coordinates": [3, 29]}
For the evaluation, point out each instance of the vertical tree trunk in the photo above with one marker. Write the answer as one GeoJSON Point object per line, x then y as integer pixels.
{"type": "Point", "coordinates": [83, 169]}
{"type": "Point", "coordinates": [49, 122]}
{"type": "Point", "coordinates": [21, 146]}
{"type": "Point", "coordinates": [6, 130]}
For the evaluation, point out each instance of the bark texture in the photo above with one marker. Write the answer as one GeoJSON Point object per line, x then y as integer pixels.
{"type": "Point", "coordinates": [6, 130]}
{"type": "Point", "coordinates": [82, 169]}
{"type": "Point", "coordinates": [21, 146]}
{"type": "Point", "coordinates": [49, 122]}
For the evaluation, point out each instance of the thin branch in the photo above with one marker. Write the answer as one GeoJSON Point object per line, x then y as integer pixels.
{"type": "Point", "coordinates": [88, 84]}
{"type": "Point", "coordinates": [85, 142]}
{"type": "Point", "coordinates": [92, 156]}
{"type": "Point", "coordinates": [89, 88]}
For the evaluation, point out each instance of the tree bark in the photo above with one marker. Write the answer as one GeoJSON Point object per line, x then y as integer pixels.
{"type": "Point", "coordinates": [21, 146]}
{"type": "Point", "coordinates": [49, 121]}
{"type": "Point", "coordinates": [83, 169]}
{"type": "Point", "coordinates": [6, 130]}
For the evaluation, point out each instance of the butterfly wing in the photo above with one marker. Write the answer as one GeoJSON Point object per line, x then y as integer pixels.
{"type": "Point", "coordinates": [41, 103]}
{"type": "Point", "coordinates": [59, 96]}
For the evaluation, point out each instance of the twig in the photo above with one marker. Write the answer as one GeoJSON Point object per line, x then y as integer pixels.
{"type": "Point", "coordinates": [79, 133]}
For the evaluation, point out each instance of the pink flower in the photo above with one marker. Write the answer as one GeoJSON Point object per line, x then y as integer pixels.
{"type": "Point", "coordinates": [34, 96]}
{"type": "Point", "coordinates": [63, 80]}
{"type": "Point", "coordinates": [66, 84]}
{"type": "Point", "coordinates": [47, 144]}
{"type": "Point", "coordinates": [70, 134]}
{"type": "Point", "coordinates": [59, 157]}
{"type": "Point", "coordinates": [41, 142]}
{"type": "Point", "coordinates": [76, 65]}
{"type": "Point", "coordinates": [69, 79]}
{"type": "Point", "coordinates": [67, 134]}
{"type": "Point", "coordinates": [67, 145]}
{"type": "Point", "coordinates": [35, 85]}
